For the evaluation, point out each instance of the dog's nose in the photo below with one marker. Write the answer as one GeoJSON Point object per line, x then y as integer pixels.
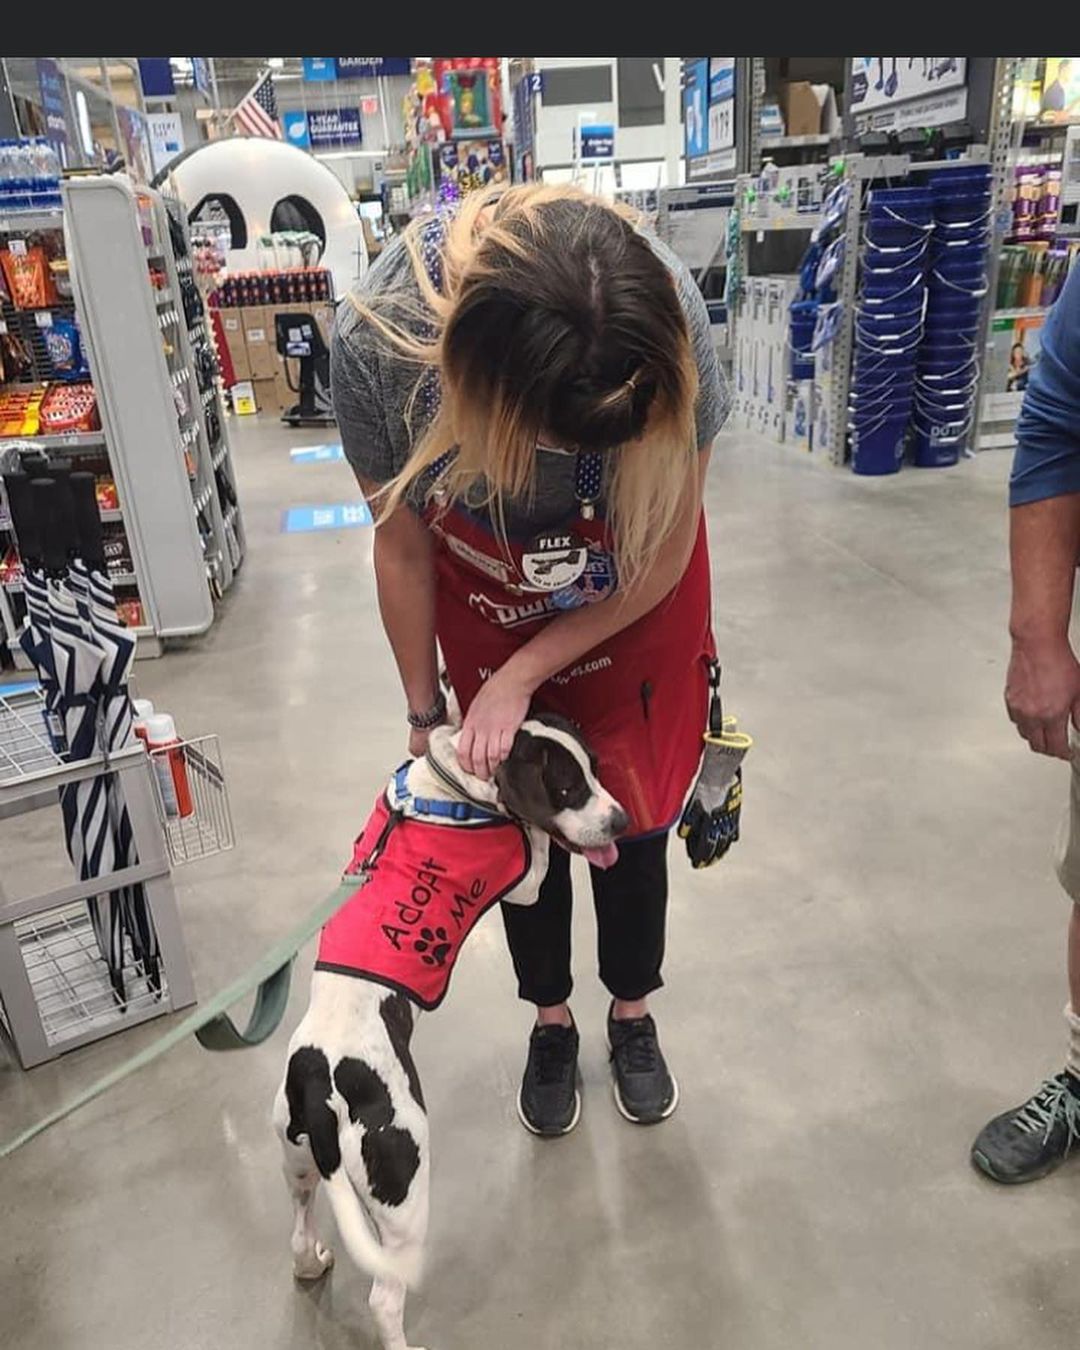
{"type": "Point", "coordinates": [619, 820]}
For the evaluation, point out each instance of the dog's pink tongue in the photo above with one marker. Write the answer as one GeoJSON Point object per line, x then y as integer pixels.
{"type": "Point", "coordinates": [607, 856]}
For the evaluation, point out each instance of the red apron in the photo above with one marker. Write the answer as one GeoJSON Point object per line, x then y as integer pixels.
{"type": "Point", "coordinates": [430, 885]}
{"type": "Point", "coordinates": [641, 698]}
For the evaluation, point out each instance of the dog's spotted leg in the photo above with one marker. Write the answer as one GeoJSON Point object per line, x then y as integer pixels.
{"type": "Point", "coordinates": [311, 1258]}
{"type": "Point", "coordinates": [387, 1304]}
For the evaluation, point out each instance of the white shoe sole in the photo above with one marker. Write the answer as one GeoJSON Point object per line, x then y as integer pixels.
{"type": "Point", "coordinates": [636, 1120]}
{"type": "Point", "coordinates": [550, 1134]}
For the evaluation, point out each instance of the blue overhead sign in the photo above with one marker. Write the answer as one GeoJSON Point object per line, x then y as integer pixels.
{"type": "Point", "coordinates": [367, 67]}
{"type": "Point", "coordinates": [319, 68]}
{"type": "Point", "coordinates": [597, 141]}
{"type": "Point", "coordinates": [156, 77]}
{"type": "Point", "coordinates": [296, 128]}
{"type": "Point", "coordinates": [200, 74]}
{"type": "Point", "coordinates": [334, 126]}
{"type": "Point", "coordinates": [53, 104]}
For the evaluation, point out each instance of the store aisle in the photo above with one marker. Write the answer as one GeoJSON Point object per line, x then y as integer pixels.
{"type": "Point", "coordinates": [872, 973]}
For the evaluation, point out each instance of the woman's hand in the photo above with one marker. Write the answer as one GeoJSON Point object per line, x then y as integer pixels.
{"type": "Point", "coordinates": [492, 722]}
{"type": "Point", "coordinates": [418, 741]}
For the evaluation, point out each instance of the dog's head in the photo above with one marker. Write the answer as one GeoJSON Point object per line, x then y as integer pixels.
{"type": "Point", "coordinates": [549, 780]}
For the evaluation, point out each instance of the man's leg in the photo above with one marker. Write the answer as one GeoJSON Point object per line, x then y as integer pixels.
{"type": "Point", "coordinates": [631, 918]}
{"type": "Point", "coordinates": [1037, 1136]}
{"type": "Point", "coordinates": [539, 939]}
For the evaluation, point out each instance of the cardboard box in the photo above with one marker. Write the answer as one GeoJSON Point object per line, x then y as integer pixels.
{"type": "Point", "coordinates": [285, 396]}
{"type": "Point", "coordinates": [231, 325]}
{"type": "Point", "coordinates": [809, 109]}
{"type": "Point", "coordinates": [266, 395]}
{"type": "Point", "coordinates": [259, 340]}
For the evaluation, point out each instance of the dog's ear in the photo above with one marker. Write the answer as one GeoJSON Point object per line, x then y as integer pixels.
{"type": "Point", "coordinates": [526, 761]}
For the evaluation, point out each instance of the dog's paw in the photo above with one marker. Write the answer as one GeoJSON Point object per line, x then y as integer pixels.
{"type": "Point", "coordinates": [313, 1264]}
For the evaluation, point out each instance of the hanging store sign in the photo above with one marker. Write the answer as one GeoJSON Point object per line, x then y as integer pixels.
{"type": "Point", "coordinates": [709, 116]}
{"type": "Point", "coordinates": [323, 128]}
{"type": "Point", "coordinates": [334, 126]}
{"type": "Point", "coordinates": [166, 134]}
{"type": "Point", "coordinates": [721, 116]}
{"type": "Point", "coordinates": [369, 67]}
{"type": "Point", "coordinates": [200, 74]}
{"type": "Point", "coordinates": [156, 77]}
{"type": "Point", "coordinates": [318, 68]}
{"type": "Point", "coordinates": [53, 104]}
{"type": "Point", "coordinates": [883, 81]}
{"type": "Point", "coordinates": [597, 141]}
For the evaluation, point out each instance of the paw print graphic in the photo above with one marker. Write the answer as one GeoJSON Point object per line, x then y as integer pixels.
{"type": "Point", "coordinates": [433, 946]}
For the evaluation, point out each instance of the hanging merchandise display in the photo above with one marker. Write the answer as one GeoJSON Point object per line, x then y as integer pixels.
{"type": "Point", "coordinates": [469, 97]}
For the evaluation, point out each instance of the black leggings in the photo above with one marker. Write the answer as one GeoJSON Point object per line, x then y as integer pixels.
{"type": "Point", "coordinates": [631, 906]}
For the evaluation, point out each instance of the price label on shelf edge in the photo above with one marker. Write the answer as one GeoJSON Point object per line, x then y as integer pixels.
{"type": "Point", "coordinates": [43, 318]}
{"type": "Point", "coordinates": [17, 248]}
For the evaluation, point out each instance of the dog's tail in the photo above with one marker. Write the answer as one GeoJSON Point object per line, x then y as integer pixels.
{"type": "Point", "coordinates": [360, 1241]}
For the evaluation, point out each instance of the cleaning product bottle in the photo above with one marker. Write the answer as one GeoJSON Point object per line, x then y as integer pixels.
{"type": "Point", "coordinates": [142, 709]}
{"type": "Point", "coordinates": [170, 766]}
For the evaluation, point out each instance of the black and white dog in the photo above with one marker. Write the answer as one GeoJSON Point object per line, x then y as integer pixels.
{"type": "Point", "coordinates": [350, 1110]}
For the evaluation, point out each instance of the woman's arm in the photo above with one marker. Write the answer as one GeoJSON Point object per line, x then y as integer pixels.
{"type": "Point", "coordinates": [405, 576]}
{"type": "Point", "coordinates": [502, 704]}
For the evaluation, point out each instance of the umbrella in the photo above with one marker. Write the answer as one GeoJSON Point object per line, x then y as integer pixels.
{"type": "Point", "coordinates": [34, 638]}
{"type": "Point", "coordinates": [115, 716]}
{"type": "Point", "coordinates": [78, 664]}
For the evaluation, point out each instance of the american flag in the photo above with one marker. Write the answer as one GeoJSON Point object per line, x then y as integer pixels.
{"type": "Point", "coordinates": [256, 113]}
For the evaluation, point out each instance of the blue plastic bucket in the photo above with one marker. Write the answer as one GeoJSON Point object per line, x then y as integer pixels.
{"type": "Point", "coordinates": [937, 445]}
{"type": "Point", "coordinates": [963, 177]}
{"type": "Point", "coordinates": [879, 449]}
{"type": "Point", "coordinates": [893, 240]}
{"type": "Point", "coordinates": [973, 211]}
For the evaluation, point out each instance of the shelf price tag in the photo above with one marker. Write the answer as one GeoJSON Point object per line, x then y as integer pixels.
{"type": "Point", "coordinates": [43, 318]}
{"type": "Point", "coordinates": [3, 327]}
{"type": "Point", "coordinates": [17, 248]}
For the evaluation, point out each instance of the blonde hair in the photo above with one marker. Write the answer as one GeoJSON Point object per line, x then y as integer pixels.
{"type": "Point", "coordinates": [554, 315]}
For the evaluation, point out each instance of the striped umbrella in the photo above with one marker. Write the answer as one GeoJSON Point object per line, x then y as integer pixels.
{"type": "Point", "coordinates": [88, 575]}
{"type": "Point", "coordinates": [78, 662]}
{"type": "Point", "coordinates": [34, 637]}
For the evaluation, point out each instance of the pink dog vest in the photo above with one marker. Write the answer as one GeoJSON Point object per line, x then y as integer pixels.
{"type": "Point", "coordinates": [432, 882]}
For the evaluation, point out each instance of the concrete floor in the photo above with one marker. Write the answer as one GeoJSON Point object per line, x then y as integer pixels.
{"type": "Point", "coordinates": [873, 972]}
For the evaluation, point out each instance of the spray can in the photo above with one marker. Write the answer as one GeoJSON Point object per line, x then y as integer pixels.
{"type": "Point", "coordinates": [142, 708]}
{"type": "Point", "coordinates": [169, 765]}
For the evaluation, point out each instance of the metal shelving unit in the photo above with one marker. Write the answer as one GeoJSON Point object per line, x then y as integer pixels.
{"type": "Point", "coordinates": [156, 379]}
{"type": "Point", "coordinates": [163, 437]}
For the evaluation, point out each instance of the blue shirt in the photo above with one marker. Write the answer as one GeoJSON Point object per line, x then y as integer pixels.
{"type": "Point", "coordinates": [1047, 460]}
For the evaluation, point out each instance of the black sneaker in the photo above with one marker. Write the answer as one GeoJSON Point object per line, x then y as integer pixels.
{"type": "Point", "coordinates": [549, 1102]}
{"type": "Point", "coordinates": [1029, 1141]}
{"type": "Point", "coordinates": [645, 1092]}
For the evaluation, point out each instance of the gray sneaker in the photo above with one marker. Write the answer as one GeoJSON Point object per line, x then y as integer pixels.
{"type": "Point", "coordinates": [1033, 1139]}
{"type": "Point", "coordinates": [645, 1092]}
{"type": "Point", "coordinates": [549, 1102]}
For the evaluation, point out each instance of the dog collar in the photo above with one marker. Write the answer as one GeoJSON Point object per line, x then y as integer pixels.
{"type": "Point", "coordinates": [459, 812]}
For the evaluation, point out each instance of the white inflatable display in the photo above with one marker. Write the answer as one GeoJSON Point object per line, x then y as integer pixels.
{"type": "Point", "coordinates": [262, 186]}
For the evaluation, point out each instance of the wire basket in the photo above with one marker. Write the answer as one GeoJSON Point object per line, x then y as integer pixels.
{"type": "Point", "coordinates": [192, 799]}
{"type": "Point", "coordinates": [70, 982]}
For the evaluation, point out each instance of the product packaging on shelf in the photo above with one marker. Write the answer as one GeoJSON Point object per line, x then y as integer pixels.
{"type": "Point", "coordinates": [27, 275]}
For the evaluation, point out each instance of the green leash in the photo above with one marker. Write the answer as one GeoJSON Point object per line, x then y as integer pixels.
{"type": "Point", "coordinates": [215, 1029]}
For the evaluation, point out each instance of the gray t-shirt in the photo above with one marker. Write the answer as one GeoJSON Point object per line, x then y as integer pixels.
{"type": "Point", "coordinates": [372, 385]}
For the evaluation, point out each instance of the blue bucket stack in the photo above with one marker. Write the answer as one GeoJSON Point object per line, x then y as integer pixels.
{"type": "Point", "coordinates": [948, 366]}
{"type": "Point", "coordinates": [889, 326]}
{"type": "Point", "coordinates": [803, 314]}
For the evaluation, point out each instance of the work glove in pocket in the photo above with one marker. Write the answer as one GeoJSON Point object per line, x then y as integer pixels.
{"type": "Point", "coordinates": [710, 820]}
